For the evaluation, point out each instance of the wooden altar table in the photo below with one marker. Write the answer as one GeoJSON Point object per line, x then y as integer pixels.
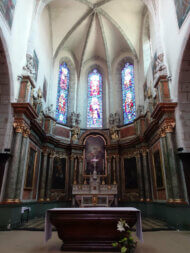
{"type": "Point", "coordinates": [92, 229]}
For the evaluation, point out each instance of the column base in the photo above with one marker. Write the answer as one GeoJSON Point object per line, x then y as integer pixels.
{"type": "Point", "coordinates": [41, 200]}
{"type": "Point", "coordinates": [11, 201]}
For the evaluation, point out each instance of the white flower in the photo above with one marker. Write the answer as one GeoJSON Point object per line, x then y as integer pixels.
{"type": "Point", "coordinates": [120, 225]}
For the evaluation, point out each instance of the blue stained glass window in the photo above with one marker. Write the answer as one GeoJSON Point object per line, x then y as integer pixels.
{"type": "Point", "coordinates": [94, 109]}
{"type": "Point", "coordinates": [128, 93]}
{"type": "Point", "coordinates": [62, 93]}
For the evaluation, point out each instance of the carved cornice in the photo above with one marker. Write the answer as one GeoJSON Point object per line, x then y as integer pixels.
{"type": "Point", "coordinates": [163, 108]}
{"type": "Point", "coordinates": [24, 109]}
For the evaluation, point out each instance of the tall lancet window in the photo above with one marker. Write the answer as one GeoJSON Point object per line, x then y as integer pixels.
{"type": "Point", "coordinates": [62, 93]}
{"type": "Point", "coordinates": [128, 93]}
{"type": "Point", "coordinates": [94, 109]}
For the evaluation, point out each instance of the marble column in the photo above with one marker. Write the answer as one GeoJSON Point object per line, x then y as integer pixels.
{"type": "Point", "coordinates": [49, 181]}
{"type": "Point", "coordinates": [114, 171]}
{"type": "Point", "coordinates": [139, 178]}
{"type": "Point", "coordinates": [167, 167]}
{"type": "Point", "coordinates": [75, 171]}
{"type": "Point", "coordinates": [173, 167]}
{"type": "Point", "coordinates": [43, 176]}
{"type": "Point", "coordinates": [71, 175]}
{"type": "Point", "coordinates": [145, 166]}
{"type": "Point", "coordinates": [109, 170]}
{"type": "Point", "coordinates": [80, 180]}
{"type": "Point", "coordinates": [118, 176]}
{"type": "Point", "coordinates": [14, 166]}
{"type": "Point", "coordinates": [22, 164]}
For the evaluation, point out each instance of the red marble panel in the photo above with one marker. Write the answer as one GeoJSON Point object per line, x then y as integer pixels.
{"type": "Point", "coordinates": [61, 131]}
{"type": "Point", "coordinates": [127, 132]}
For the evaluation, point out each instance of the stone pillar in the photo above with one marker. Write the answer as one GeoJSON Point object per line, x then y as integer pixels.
{"type": "Point", "coordinates": [139, 177]}
{"type": "Point", "coordinates": [22, 164]}
{"type": "Point", "coordinates": [109, 170]}
{"type": "Point", "coordinates": [14, 166]}
{"type": "Point", "coordinates": [166, 167]}
{"type": "Point", "coordinates": [147, 186]}
{"type": "Point", "coordinates": [43, 176]}
{"type": "Point", "coordinates": [80, 180]}
{"type": "Point", "coordinates": [49, 181]}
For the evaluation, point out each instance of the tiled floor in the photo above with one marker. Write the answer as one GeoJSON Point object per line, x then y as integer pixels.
{"type": "Point", "coordinates": [154, 242]}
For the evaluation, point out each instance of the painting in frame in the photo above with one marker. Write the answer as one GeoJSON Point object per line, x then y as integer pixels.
{"type": "Point", "coordinates": [7, 8]}
{"type": "Point", "coordinates": [30, 169]}
{"type": "Point", "coordinates": [59, 173]}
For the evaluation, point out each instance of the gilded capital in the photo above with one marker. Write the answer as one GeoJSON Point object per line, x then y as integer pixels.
{"type": "Point", "coordinates": [26, 132]}
{"type": "Point", "coordinates": [19, 126]}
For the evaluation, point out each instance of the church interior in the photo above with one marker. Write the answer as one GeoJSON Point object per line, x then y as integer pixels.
{"type": "Point", "coordinates": [95, 112]}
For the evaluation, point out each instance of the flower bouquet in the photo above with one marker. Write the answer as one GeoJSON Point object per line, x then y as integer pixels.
{"type": "Point", "coordinates": [126, 244]}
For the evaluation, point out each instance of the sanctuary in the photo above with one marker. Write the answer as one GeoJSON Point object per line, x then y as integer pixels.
{"type": "Point", "coordinates": [94, 107]}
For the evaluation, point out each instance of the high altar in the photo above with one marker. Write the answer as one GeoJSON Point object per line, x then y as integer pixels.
{"type": "Point", "coordinates": [95, 190]}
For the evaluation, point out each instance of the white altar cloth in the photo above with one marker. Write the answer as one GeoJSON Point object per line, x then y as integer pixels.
{"type": "Point", "coordinates": [48, 226]}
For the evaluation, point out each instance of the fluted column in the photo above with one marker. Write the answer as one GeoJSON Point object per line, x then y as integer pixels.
{"type": "Point", "coordinates": [43, 176]}
{"type": "Point", "coordinates": [22, 164]}
{"type": "Point", "coordinates": [13, 169]}
{"type": "Point", "coordinates": [49, 181]}
{"type": "Point", "coordinates": [139, 177]}
{"type": "Point", "coordinates": [80, 170]}
{"type": "Point", "coordinates": [147, 187]}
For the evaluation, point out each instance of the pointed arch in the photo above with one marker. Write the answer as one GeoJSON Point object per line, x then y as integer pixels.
{"type": "Point", "coordinates": [94, 106]}
{"type": "Point", "coordinates": [62, 93]}
{"type": "Point", "coordinates": [128, 93]}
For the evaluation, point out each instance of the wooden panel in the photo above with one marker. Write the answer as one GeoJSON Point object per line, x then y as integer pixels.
{"type": "Point", "coordinates": [90, 229]}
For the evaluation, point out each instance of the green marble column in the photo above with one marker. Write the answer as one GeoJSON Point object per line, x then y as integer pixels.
{"type": "Point", "coordinates": [146, 183]}
{"type": "Point", "coordinates": [139, 178]}
{"type": "Point", "coordinates": [71, 174]}
{"type": "Point", "coordinates": [14, 166]}
{"type": "Point", "coordinates": [43, 176]}
{"type": "Point", "coordinates": [80, 180]}
{"type": "Point", "coordinates": [167, 168]}
{"type": "Point", "coordinates": [49, 182]}
{"type": "Point", "coordinates": [109, 170]}
{"type": "Point", "coordinates": [173, 167]}
{"type": "Point", "coordinates": [22, 164]}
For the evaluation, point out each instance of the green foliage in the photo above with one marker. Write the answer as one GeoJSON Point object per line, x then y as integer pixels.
{"type": "Point", "coordinates": [126, 244]}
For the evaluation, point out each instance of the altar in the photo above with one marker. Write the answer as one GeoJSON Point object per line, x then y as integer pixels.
{"type": "Point", "coordinates": [92, 229]}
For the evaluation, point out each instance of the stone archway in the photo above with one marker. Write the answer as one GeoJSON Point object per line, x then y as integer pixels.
{"type": "Point", "coordinates": [184, 112]}
{"type": "Point", "coordinates": [5, 113]}
{"type": "Point", "coordinates": [184, 97]}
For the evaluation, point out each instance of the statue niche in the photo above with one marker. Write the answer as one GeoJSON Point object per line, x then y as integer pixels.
{"type": "Point", "coordinates": [95, 155]}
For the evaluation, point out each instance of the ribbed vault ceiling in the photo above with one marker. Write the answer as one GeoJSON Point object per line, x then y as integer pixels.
{"type": "Point", "coordinates": [95, 28]}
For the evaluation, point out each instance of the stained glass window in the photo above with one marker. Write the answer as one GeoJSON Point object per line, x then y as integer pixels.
{"type": "Point", "coordinates": [94, 109]}
{"type": "Point", "coordinates": [62, 93]}
{"type": "Point", "coordinates": [128, 93]}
